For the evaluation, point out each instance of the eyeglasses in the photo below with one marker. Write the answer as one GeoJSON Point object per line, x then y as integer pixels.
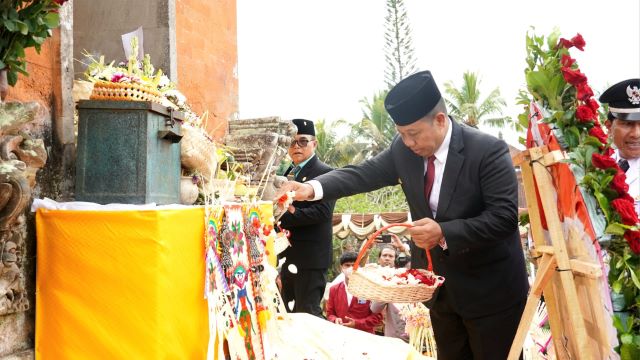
{"type": "Point", "coordinates": [301, 142]}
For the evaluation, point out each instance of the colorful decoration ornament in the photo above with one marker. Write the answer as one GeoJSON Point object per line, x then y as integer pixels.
{"type": "Point", "coordinates": [240, 280]}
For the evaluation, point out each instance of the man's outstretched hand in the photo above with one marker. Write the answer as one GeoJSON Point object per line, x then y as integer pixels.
{"type": "Point", "coordinates": [303, 192]}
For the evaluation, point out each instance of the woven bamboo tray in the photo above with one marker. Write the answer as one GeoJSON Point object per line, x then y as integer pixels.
{"type": "Point", "coordinates": [105, 90]}
{"type": "Point", "coordinates": [363, 287]}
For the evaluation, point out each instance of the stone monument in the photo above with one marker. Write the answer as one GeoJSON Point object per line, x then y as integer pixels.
{"type": "Point", "coordinates": [21, 156]}
{"type": "Point", "coordinates": [259, 145]}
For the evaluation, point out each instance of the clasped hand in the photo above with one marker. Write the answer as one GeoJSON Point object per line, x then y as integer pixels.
{"type": "Point", "coordinates": [426, 233]}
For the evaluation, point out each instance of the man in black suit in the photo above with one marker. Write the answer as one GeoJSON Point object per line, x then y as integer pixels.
{"type": "Point", "coordinates": [461, 186]}
{"type": "Point", "coordinates": [304, 273]}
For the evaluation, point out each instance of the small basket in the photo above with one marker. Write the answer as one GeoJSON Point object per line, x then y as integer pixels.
{"type": "Point", "coordinates": [105, 90]}
{"type": "Point", "coordinates": [363, 287]}
{"type": "Point", "coordinates": [198, 152]}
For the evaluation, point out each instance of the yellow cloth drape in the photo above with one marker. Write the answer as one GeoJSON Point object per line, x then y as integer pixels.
{"type": "Point", "coordinates": [121, 284]}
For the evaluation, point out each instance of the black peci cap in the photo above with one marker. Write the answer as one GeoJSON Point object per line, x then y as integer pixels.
{"type": "Point", "coordinates": [412, 98]}
{"type": "Point", "coordinates": [623, 99]}
{"type": "Point", "coordinates": [305, 127]}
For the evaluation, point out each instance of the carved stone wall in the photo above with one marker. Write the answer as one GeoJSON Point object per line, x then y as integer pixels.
{"type": "Point", "coordinates": [259, 145]}
{"type": "Point", "coordinates": [21, 156]}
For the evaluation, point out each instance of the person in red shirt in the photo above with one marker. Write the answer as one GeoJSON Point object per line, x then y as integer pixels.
{"type": "Point", "coordinates": [346, 309]}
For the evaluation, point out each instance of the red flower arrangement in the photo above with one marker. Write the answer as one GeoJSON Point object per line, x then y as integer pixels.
{"type": "Point", "coordinates": [607, 181]}
{"type": "Point", "coordinates": [597, 132]}
{"type": "Point", "coordinates": [603, 162]}
{"type": "Point", "coordinates": [574, 117]}
{"type": "Point", "coordinates": [424, 278]}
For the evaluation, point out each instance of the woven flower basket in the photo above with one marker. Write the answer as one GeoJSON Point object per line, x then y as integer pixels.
{"type": "Point", "coordinates": [105, 90]}
{"type": "Point", "coordinates": [362, 285]}
{"type": "Point", "coordinates": [197, 152]}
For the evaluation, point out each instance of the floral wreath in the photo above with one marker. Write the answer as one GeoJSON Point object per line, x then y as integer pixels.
{"type": "Point", "coordinates": [575, 113]}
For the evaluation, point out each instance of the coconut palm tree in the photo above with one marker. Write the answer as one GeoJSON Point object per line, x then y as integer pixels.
{"type": "Point", "coordinates": [331, 150]}
{"type": "Point", "coordinates": [376, 129]}
{"type": "Point", "coordinates": [466, 104]}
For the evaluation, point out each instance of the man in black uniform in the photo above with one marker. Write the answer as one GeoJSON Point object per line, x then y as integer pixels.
{"type": "Point", "coordinates": [304, 273]}
{"type": "Point", "coordinates": [463, 194]}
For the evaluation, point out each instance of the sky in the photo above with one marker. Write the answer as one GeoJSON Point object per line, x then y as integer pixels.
{"type": "Point", "coordinates": [317, 59]}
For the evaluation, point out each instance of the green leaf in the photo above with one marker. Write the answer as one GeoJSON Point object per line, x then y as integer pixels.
{"type": "Point", "coordinates": [552, 39]}
{"type": "Point", "coordinates": [603, 202]}
{"type": "Point", "coordinates": [12, 77]}
{"type": "Point", "coordinates": [616, 286]}
{"type": "Point", "coordinates": [634, 277]}
{"type": "Point", "coordinates": [571, 136]}
{"type": "Point", "coordinates": [629, 323]}
{"type": "Point", "coordinates": [52, 20]}
{"type": "Point", "coordinates": [626, 338]}
{"type": "Point", "coordinates": [10, 25]}
{"type": "Point", "coordinates": [629, 352]}
{"type": "Point", "coordinates": [24, 29]}
{"type": "Point", "coordinates": [593, 141]}
{"type": "Point", "coordinates": [615, 229]}
{"type": "Point", "coordinates": [617, 323]}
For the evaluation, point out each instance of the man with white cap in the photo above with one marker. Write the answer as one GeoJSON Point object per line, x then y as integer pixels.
{"type": "Point", "coordinates": [461, 186]}
{"type": "Point", "coordinates": [623, 123]}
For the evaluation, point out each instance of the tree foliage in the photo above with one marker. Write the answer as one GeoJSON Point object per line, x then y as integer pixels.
{"type": "Point", "coordinates": [338, 153]}
{"type": "Point", "coordinates": [466, 104]}
{"type": "Point", "coordinates": [333, 150]}
{"type": "Point", "coordinates": [399, 53]}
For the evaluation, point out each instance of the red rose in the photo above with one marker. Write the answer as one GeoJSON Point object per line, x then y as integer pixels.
{"type": "Point", "coordinates": [633, 239]}
{"type": "Point", "coordinates": [573, 77]}
{"type": "Point", "coordinates": [626, 210]}
{"type": "Point", "coordinates": [584, 91]}
{"type": "Point", "coordinates": [626, 197]}
{"type": "Point", "coordinates": [619, 183]}
{"type": "Point", "coordinates": [60, 2]}
{"type": "Point", "coordinates": [593, 104]}
{"type": "Point", "coordinates": [597, 132]}
{"type": "Point", "coordinates": [578, 42]}
{"type": "Point", "coordinates": [585, 113]}
{"type": "Point", "coordinates": [603, 162]}
{"type": "Point", "coordinates": [567, 61]}
{"type": "Point", "coordinates": [608, 152]}
{"type": "Point", "coordinates": [565, 43]}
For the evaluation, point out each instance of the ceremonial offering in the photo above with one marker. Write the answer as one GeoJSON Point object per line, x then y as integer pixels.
{"type": "Point", "coordinates": [281, 242]}
{"type": "Point", "coordinates": [384, 275]}
{"type": "Point", "coordinates": [106, 90]}
{"type": "Point", "coordinates": [376, 283]}
{"type": "Point", "coordinates": [282, 205]}
{"type": "Point", "coordinates": [418, 326]}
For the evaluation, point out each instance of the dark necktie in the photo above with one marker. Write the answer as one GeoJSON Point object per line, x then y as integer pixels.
{"type": "Point", "coordinates": [429, 177]}
{"type": "Point", "coordinates": [624, 164]}
{"type": "Point", "coordinates": [294, 172]}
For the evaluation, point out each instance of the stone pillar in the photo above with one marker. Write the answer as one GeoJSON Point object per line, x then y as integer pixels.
{"type": "Point", "coordinates": [21, 156]}
{"type": "Point", "coordinates": [259, 145]}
